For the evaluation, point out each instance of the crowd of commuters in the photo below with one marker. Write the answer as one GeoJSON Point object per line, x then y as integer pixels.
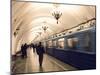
{"type": "Point", "coordinates": [39, 50]}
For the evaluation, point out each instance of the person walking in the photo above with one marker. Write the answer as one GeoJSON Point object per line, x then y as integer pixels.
{"type": "Point", "coordinates": [40, 51]}
{"type": "Point", "coordinates": [22, 51]}
{"type": "Point", "coordinates": [33, 46]}
{"type": "Point", "coordinates": [25, 50]}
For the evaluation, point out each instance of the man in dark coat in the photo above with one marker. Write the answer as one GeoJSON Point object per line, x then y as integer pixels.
{"type": "Point", "coordinates": [33, 46]}
{"type": "Point", "coordinates": [40, 51]}
{"type": "Point", "coordinates": [25, 50]}
{"type": "Point", "coordinates": [22, 51]}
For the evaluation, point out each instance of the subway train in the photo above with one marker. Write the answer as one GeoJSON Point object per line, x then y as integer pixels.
{"type": "Point", "coordinates": [76, 48]}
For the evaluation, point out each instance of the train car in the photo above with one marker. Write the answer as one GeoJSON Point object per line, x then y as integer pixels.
{"type": "Point", "coordinates": [77, 48]}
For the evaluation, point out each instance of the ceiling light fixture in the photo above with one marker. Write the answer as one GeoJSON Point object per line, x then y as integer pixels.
{"type": "Point", "coordinates": [56, 14]}
{"type": "Point", "coordinates": [44, 27]}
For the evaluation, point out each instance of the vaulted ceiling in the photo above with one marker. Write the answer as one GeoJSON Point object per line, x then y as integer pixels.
{"type": "Point", "coordinates": [29, 17]}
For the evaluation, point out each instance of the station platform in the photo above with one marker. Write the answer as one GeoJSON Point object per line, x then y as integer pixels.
{"type": "Point", "coordinates": [31, 64]}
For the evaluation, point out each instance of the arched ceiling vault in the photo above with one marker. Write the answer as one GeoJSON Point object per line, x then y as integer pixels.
{"type": "Point", "coordinates": [28, 17]}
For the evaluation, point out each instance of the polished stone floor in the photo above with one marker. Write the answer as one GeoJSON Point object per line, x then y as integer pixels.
{"type": "Point", "coordinates": [31, 65]}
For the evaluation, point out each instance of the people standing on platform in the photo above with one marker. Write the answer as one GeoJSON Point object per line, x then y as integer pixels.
{"type": "Point", "coordinates": [25, 50]}
{"type": "Point", "coordinates": [33, 46]}
{"type": "Point", "coordinates": [40, 51]}
{"type": "Point", "coordinates": [30, 45]}
{"type": "Point", "coordinates": [22, 51]}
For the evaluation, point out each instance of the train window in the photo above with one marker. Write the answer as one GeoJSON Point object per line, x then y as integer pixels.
{"type": "Point", "coordinates": [49, 43]}
{"type": "Point", "coordinates": [54, 43]}
{"type": "Point", "coordinates": [87, 43]}
{"type": "Point", "coordinates": [61, 43]}
{"type": "Point", "coordinates": [72, 42]}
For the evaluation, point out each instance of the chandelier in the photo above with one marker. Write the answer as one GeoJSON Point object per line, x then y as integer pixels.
{"type": "Point", "coordinates": [56, 14]}
{"type": "Point", "coordinates": [44, 27]}
{"type": "Point", "coordinates": [16, 32]}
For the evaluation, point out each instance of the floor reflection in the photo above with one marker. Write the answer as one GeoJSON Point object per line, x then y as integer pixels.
{"type": "Point", "coordinates": [31, 64]}
{"type": "Point", "coordinates": [41, 69]}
